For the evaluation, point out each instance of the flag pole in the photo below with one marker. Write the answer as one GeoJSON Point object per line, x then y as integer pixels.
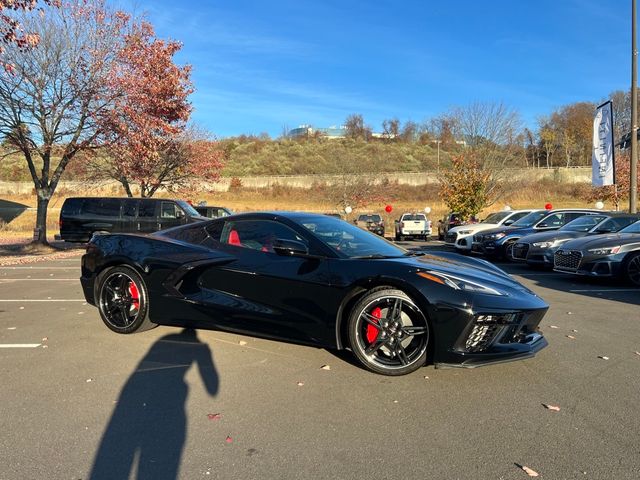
{"type": "Point", "coordinates": [633, 170]}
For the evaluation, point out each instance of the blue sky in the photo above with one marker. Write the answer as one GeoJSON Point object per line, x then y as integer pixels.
{"type": "Point", "coordinates": [259, 66]}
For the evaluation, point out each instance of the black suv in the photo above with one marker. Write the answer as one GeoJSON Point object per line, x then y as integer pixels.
{"type": "Point", "coordinates": [372, 222]}
{"type": "Point", "coordinates": [81, 217]}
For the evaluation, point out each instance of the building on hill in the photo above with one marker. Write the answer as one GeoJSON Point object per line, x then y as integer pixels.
{"type": "Point", "coordinates": [310, 131]}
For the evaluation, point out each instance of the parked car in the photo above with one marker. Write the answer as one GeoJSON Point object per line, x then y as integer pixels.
{"type": "Point", "coordinates": [606, 255]}
{"type": "Point", "coordinates": [372, 222]}
{"type": "Point", "coordinates": [448, 221]}
{"type": "Point", "coordinates": [414, 225]}
{"type": "Point", "coordinates": [81, 217]}
{"type": "Point", "coordinates": [461, 237]}
{"type": "Point", "coordinates": [212, 212]}
{"type": "Point", "coordinates": [314, 279]}
{"type": "Point", "coordinates": [498, 242]}
{"type": "Point", "coordinates": [538, 249]}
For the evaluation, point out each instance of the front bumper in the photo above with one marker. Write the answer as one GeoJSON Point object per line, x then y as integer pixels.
{"type": "Point", "coordinates": [579, 263]}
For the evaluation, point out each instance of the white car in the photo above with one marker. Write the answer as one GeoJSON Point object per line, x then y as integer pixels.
{"type": "Point", "coordinates": [461, 237]}
{"type": "Point", "coordinates": [415, 225]}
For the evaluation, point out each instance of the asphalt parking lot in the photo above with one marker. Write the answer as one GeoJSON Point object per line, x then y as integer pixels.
{"type": "Point", "coordinates": [81, 402]}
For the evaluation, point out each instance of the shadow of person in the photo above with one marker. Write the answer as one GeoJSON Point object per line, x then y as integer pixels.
{"type": "Point", "coordinates": [148, 425]}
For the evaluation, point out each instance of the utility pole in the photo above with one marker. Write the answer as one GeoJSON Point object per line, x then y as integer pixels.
{"type": "Point", "coordinates": [633, 181]}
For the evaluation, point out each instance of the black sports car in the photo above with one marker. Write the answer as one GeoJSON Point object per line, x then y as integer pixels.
{"type": "Point", "coordinates": [318, 280]}
{"type": "Point", "coordinates": [607, 255]}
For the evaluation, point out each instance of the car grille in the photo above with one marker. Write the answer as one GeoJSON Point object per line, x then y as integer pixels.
{"type": "Point", "coordinates": [477, 238]}
{"type": "Point", "coordinates": [489, 328]}
{"type": "Point", "coordinates": [451, 237]}
{"type": "Point", "coordinates": [567, 259]}
{"type": "Point", "coordinates": [520, 250]}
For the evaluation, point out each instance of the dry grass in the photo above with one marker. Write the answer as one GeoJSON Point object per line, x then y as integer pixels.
{"type": "Point", "coordinates": [406, 198]}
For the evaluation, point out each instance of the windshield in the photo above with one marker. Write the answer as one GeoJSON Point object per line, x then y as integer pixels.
{"type": "Point", "coordinates": [531, 219]}
{"type": "Point", "coordinates": [369, 218]}
{"type": "Point", "coordinates": [583, 224]}
{"type": "Point", "coordinates": [192, 212]}
{"type": "Point", "coordinates": [414, 217]}
{"type": "Point", "coordinates": [633, 228]}
{"type": "Point", "coordinates": [348, 240]}
{"type": "Point", "coordinates": [496, 217]}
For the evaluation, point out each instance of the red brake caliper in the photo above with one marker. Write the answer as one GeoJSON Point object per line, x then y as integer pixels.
{"type": "Point", "coordinates": [135, 295]}
{"type": "Point", "coordinates": [372, 332]}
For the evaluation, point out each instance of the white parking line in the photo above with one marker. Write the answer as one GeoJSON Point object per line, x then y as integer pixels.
{"type": "Point", "coordinates": [20, 345]}
{"type": "Point", "coordinates": [607, 290]}
{"type": "Point", "coordinates": [38, 300]}
{"type": "Point", "coordinates": [7, 280]}
{"type": "Point", "coordinates": [39, 268]}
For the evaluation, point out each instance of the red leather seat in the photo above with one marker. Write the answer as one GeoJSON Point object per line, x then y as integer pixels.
{"type": "Point", "coordinates": [234, 238]}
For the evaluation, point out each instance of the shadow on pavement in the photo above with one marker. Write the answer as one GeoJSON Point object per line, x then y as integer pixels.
{"type": "Point", "coordinates": [147, 429]}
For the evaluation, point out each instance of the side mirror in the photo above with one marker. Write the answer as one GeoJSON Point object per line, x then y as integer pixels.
{"type": "Point", "coordinates": [290, 248]}
{"type": "Point", "coordinates": [543, 225]}
{"type": "Point", "coordinates": [179, 213]}
{"type": "Point", "coordinates": [508, 222]}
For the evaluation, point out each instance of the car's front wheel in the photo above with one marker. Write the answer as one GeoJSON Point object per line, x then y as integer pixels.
{"type": "Point", "coordinates": [632, 269]}
{"type": "Point", "coordinates": [123, 300]}
{"type": "Point", "coordinates": [388, 333]}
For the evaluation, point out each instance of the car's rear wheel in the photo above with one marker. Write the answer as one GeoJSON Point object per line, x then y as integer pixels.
{"type": "Point", "coordinates": [123, 300]}
{"type": "Point", "coordinates": [388, 333]}
{"type": "Point", "coordinates": [508, 251]}
{"type": "Point", "coordinates": [632, 269]}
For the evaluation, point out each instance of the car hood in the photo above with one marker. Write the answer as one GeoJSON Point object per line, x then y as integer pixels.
{"type": "Point", "coordinates": [473, 227]}
{"type": "Point", "coordinates": [464, 267]}
{"type": "Point", "coordinates": [602, 241]}
{"type": "Point", "coordinates": [551, 236]}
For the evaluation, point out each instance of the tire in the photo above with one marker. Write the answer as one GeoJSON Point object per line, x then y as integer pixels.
{"type": "Point", "coordinates": [123, 300]}
{"type": "Point", "coordinates": [440, 235]}
{"type": "Point", "coordinates": [401, 346]}
{"type": "Point", "coordinates": [508, 251]}
{"type": "Point", "coordinates": [397, 237]}
{"type": "Point", "coordinates": [402, 238]}
{"type": "Point", "coordinates": [632, 268]}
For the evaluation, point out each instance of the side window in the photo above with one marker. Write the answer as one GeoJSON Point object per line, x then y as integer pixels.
{"type": "Point", "coordinates": [110, 207]}
{"type": "Point", "coordinates": [555, 220]}
{"type": "Point", "coordinates": [168, 210]}
{"type": "Point", "coordinates": [72, 206]}
{"type": "Point", "coordinates": [129, 208]}
{"type": "Point", "coordinates": [518, 216]}
{"type": "Point", "coordinates": [193, 234]}
{"type": "Point", "coordinates": [214, 231]}
{"type": "Point", "coordinates": [256, 234]}
{"type": "Point", "coordinates": [570, 216]}
{"type": "Point", "coordinates": [92, 206]}
{"type": "Point", "coordinates": [147, 209]}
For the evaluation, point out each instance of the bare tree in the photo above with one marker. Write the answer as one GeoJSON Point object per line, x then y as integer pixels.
{"type": "Point", "coordinates": [391, 129]}
{"type": "Point", "coordinates": [48, 105]}
{"type": "Point", "coordinates": [356, 129]}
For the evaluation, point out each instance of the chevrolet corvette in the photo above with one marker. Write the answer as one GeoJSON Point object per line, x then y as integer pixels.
{"type": "Point", "coordinates": [317, 280]}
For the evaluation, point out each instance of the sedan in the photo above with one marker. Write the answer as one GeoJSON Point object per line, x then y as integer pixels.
{"type": "Point", "coordinates": [608, 255]}
{"type": "Point", "coordinates": [316, 280]}
{"type": "Point", "coordinates": [538, 249]}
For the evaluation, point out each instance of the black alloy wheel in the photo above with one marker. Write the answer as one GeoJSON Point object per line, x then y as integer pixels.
{"type": "Point", "coordinates": [388, 333]}
{"type": "Point", "coordinates": [632, 269]}
{"type": "Point", "coordinates": [123, 300]}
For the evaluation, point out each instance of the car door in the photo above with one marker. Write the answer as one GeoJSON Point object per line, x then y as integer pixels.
{"type": "Point", "coordinates": [147, 220]}
{"type": "Point", "coordinates": [129, 213]}
{"type": "Point", "coordinates": [171, 215]}
{"type": "Point", "coordinates": [266, 293]}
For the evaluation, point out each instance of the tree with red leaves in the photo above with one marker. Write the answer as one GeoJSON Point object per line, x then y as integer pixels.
{"type": "Point", "coordinates": [149, 145]}
{"type": "Point", "coordinates": [12, 32]}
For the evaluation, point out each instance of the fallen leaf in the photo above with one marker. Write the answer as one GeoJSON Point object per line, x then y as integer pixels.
{"type": "Point", "coordinates": [395, 401]}
{"type": "Point", "coordinates": [325, 367]}
{"type": "Point", "coordinates": [575, 331]}
{"type": "Point", "coordinates": [603, 357]}
{"type": "Point", "coordinates": [21, 308]}
{"type": "Point", "coordinates": [553, 326]}
{"type": "Point", "coordinates": [571, 337]}
{"type": "Point", "coordinates": [89, 380]}
{"type": "Point", "coordinates": [637, 353]}
{"type": "Point", "coordinates": [553, 408]}
{"type": "Point", "coordinates": [569, 313]}
{"type": "Point", "coordinates": [242, 342]}
{"type": "Point", "coordinates": [13, 328]}
{"type": "Point", "coordinates": [229, 439]}
{"type": "Point", "coordinates": [80, 313]}
{"type": "Point", "coordinates": [45, 346]}
{"type": "Point", "coordinates": [426, 378]}
{"type": "Point", "coordinates": [214, 416]}
{"type": "Point", "coordinates": [44, 339]}
{"type": "Point", "coordinates": [530, 471]}
{"type": "Point", "coordinates": [300, 384]}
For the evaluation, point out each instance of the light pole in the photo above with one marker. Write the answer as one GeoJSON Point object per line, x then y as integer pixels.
{"type": "Point", "coordinates": [633, 180]}
{"type": "Point", "coordinates": [438, 142]}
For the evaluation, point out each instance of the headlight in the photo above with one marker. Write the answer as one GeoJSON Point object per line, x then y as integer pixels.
{"type": "Point", "coordinates": [543, 244]}
{"type": "Point", "coordinates": [458, 283]}
{"type": "Point", "coordinates": [605, 251]}
{"type": "Point", "coordinates": [495, 236]}
{"type": "Point", "coordinates": [554, 243]}
{"type": "Point", "coordinates": [464, 232]}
